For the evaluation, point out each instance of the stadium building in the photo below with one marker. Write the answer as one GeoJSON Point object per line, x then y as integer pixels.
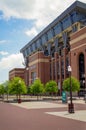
{"type": "Point", "coordinates": [62, 43]}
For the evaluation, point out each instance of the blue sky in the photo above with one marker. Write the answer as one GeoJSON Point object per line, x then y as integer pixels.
{"type": "Point", "coordinates": [20, 21]}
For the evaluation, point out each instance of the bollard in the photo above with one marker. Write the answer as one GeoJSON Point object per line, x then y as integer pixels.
{"type": "Point", "coordinates": [19, 100]}
{"type": "Point", "coordinates": [85, 98]}
{"type": "Point", "coordinates": [71, 108]}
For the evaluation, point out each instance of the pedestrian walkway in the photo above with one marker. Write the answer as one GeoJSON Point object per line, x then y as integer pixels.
{"type": "Point", "coordinates": [78, 115]}
{"type": "Point", "coordinates": [46, 104]}
{"type": "Point", "coordinates": [38, 105]}
{"type": "Point", "coordinates": [42, 115]}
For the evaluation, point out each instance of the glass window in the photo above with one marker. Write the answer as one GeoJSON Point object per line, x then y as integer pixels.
{"type": "Point", "coordinates": [57, 29]}
{"type": "Point", "coordinates": [50, 35]}
{"type": "Point", "coordinates": [29, 50]}
{"type": "Point", "coordinates": [74, 17]}
{"type": "Point", "coordinates": [43, 39]}
{"type": "Point", "coordinates": [66, 23]}
{"type": "Point", "coordinates": [33, 46]}
{"type": "Point", "coordinates": [33, 76]}
{"type": "Point", "coordinates": [38, 43]}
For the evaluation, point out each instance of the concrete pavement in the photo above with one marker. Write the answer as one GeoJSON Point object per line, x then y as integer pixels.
{"type": "Point", "coordinates": [41, 115]}
{"type": "Point", "coordinates": [77, 115]}
{"type": "Point", "coordinates": [38, 105]}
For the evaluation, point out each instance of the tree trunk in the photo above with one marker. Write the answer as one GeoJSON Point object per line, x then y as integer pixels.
{"type": "Point", "coordinates": [7, 96]}
{"type": "Point", "coordinates": [19, 100]}
{"type": "Point", "coordinates": [37, 97]}
{"type": "Point", "coordinates": [3, 97]}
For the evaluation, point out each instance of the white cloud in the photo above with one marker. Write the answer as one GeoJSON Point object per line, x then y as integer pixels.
{"type": "Point", "coordinates": [3, 53]}
{"type": "Point", "coordinates": [43, 12]}
{"type": "Point", "coordinates": [11, 61]}
{"type": "Point", "coordinates": [8, 63]}
{"type": "Point", "coordinates": [31, 33]}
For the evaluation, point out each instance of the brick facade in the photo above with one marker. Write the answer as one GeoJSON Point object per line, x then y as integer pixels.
{"type": "Point", "coordinates": [40, 65]}
{"type": "Point", "coordinates": [17, 72]}
{"type": "Point", "coordinates": [78, 46]}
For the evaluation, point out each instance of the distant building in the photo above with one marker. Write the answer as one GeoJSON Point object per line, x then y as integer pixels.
{"type": "Point", "coordinates": [61, 43]}
{"type": "Point", "coordinates": [17, 72]}
{"type": "Point", "coordinates": [20, 72]}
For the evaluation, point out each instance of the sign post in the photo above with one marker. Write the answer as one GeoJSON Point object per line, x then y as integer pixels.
{"type": "Point", "coordinates": [64, 97]}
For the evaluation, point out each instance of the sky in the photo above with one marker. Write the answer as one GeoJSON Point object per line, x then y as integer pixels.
{"type": "Point", "coordinates": [21, 21]}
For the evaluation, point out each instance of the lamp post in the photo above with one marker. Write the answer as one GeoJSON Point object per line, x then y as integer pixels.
{"type": "Point", "coordinates": [70, 105]}
{"type": "Point", "coordinates": [19, 100]}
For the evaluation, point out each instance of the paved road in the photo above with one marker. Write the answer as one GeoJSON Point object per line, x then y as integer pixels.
{"type": "Point", "coordinates": [17, 118]}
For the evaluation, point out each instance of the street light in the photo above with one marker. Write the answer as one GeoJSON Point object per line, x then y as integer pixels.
{"type": "Point", "coordinates": [19, 100]}
{"type": "Point", "coordinates": [70, 105]}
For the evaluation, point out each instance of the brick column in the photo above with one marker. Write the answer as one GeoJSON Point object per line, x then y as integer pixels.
{"type": "Point", "coordinates": [52, 65]}
{"type": "Point", "coordinates": [65, 71]}
{"type": "Point", "coordinates": [56, 69]}
{"type": "Point", "coordinates": [60, 75]}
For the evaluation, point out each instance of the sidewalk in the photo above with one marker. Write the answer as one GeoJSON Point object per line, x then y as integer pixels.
{"type": "Point", "coordinates": [37, 104]}
{"type": "Point", "coordinates": [42, 115]}
{"type": "Point", "coordinates": [78, 115]}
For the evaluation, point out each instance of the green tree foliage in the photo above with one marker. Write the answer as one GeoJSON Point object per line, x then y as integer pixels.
{"type": "Point", "coordinates": [17, 86]}
{"type": "Point", "coordinates": [74, 84]}
{"type": "Point", "coordinates": [29, 90]}
{"type": "Point", "coordinates": [51, 87]}
{"type": "Point", "coordinates": [2, 90]}
{"type": "Point", "coordinates": [37, 87]}
{"type": "Point", "coordinates": [6, 88]}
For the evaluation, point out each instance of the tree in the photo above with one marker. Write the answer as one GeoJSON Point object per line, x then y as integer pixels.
{"type": "Point", "coordinates": [74, 84]}
{"type": "Point", "coordinates": [17, 86]}
{"type": "Point", "coordinates": [29, 91]}
{"type": "Point", "coordinates": [51, 87]}
{"type": "Point", "coordinates": [2, 90]}
{"type": "Point", "coordinates": [6, 88]}
{"type": "Point", "coordinates": [37, 88]}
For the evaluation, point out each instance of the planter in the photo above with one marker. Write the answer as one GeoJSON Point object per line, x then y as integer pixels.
{"type": "Point", "coordinates": [19, 100]}
{"type": "Point", "coordinates": [71, 108]}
